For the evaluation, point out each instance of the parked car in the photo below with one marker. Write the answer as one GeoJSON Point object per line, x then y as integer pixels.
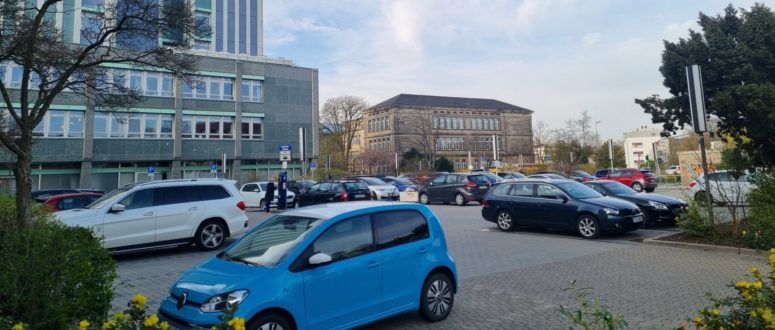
{"type": "Point", "coordinates": [254, 194]}
{"type": "Point", "coordinates": [511, 175]}
{"type": "Point", "coordinates": [69, 201]}
{"type": "Point", "coordinates": [603, 172]}
{"type": "Point", "coordinates": [164, 213]}
{"type": "Point", "coordinates": [561, 204]}
{"type": "Point", "coordinates": [401, 183]}
{"type": "Point", "coordinates": [656, 208]}
{"type": "Point", "coordinates": [546, 176]}
{"type": "Point", "coordinates": [323, 267]}
{"type": "Point", "coordinates": [725, 187]}
{"type": "Point", "coordinates": [672, 170]}
{"type": "Point", "coordinates": [91, 190]}
{"type": "Point", "coordinates": [581, 176]}
{"type": "Point", "coordinates": [333, 191]}
{"type": "Point", "coordinates": [457, 188]}
{"type": "Point", "coordinates": [491, 177]}
{"type": "Point", "coordinates": [558, 173]}
{"type": "Point", "coordinates": [297, 186]}
{"type": "Point", "coordinates": [51, 192]}
{"type": "Point", "coordinates": [380, 190]}
{"type": "Point", "coordinates": [633, 178]}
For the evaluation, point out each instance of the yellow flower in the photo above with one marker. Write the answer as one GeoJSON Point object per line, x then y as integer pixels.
{"type": "Point", "coordinates": [164, 325]}
{"type": "Point", "coordinates": [697, 320]}
{"type": "Point", "coordinates": [18, 326]}
{"type": "Point", "coordinates": [743, 284]}
{"type": "Point", "coordinates": [716, 312]}
{"type": "Point", "coordinates": [744, 232]}
{"type": "Point", "coordinates": [151, 321]}
{"type": "Point", "coordinates": [83, 325]}
{"type": "Point", "coordinates": [754, 271]}
{"type": "Point", "coordinates": [109, 325]}
{"type": "Point", "coordinates": [237, 323]}
{"type": "Point", "coordinates": [766, 314]}
{"type": "Point", "coordinates": [758, 284]}
{"type": "Point", "coordinates": [139, 301]}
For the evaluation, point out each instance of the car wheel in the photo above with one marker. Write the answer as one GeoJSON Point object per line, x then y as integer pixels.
{"type": "Point", "coordinates": [262, 204]}
{"type": "Point", "coordinates": [210, 235]}
{"type": "Point", "coordinates": [647, 223]}
{"type": "Point", "coordinates": [587, 226]}
{"type": "Point", "coordinates": [270, 322]}
{"type": "Point", "coordinates": [437, 297]}
{"type": "Point", "coordinates": [505, 221]}
{"type": "Point", "coordinates": [424, 199]}
{"type": "Point", "coordinates": [637, 186]}
{"type": "Point", "coordinates": [460, 200]}
{"type": "Point", "coordinates": [296, 204]}
{"type": "Point", "coordinates": [650, 190]}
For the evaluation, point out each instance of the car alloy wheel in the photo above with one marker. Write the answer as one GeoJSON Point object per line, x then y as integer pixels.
{"type": "Point", "coordinates": [210, 235]}
{"type": "Point", "coordinates": [424, 199]}
{"type": "Point", "coordinates": [588, 227]}
{"type": "Point", "coordinates": [437, 297]}
{"type": "Point", "coordinates": [460, 200]}
{"type": "Point", "coordinates": [296, 204]}
{"type": "Point", "coordinates": [269, 322]}
{"type": "Point", "coordinates": [637, 186]}
{"type": "Point", "coordinates": [262, 204]}
{"type": "Point", "coordinates": [505, 221]}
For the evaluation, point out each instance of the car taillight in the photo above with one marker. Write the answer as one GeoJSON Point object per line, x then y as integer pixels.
{"type": "Point", "coordinates": [692, 184]}
{"type": "Point", "coordinates": [241, 205]}
{"type": "Point", "coordinates": [470, 184]}
{"type": "Point", "coordinates": [485, 202]}
{"type": "Point", "coordinates": [343, 196]}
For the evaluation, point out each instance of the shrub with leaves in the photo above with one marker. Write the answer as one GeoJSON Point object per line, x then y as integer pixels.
{"type": "Point", "coordinates": [591, 315]}
{"type": "Point", "coordinates": [762, 217]}
{"type": "Point", "coordinates": [693, 222]}
{"type": "Point", "coordinates": [751, 308]}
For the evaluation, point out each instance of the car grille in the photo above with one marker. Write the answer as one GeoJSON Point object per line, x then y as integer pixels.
{"type": "Point", "coordinates": [629, 211]}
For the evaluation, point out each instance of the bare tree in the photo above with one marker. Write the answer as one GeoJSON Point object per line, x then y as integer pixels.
{"type": "Point", "coordinates": [422, 126]}
{"type": "Point", "coordinates": [342, 117]}
{"type": "Point", "coordinates": [376, 161]}
{"type": "Point", "coordinates": [125, 32]}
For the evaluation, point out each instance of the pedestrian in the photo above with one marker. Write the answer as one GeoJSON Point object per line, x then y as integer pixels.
{"type": "Point", "coordinates": [269, 196]}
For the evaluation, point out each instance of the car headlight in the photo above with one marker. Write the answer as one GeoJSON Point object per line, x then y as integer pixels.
{"type": "Point", "coordinates": [657, 205]}
{"type": "Point", "coordinates": [218, 303]}
{"type": "Point", "coordinates": [682, 200]}
{"type": "Point", "coordinates": [611, 211]}
{"type": "Point", "coordinates": [409, 189]}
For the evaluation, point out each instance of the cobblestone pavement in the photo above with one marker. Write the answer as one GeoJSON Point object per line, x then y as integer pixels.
{"type": "Point", "coordinates": [515, 280]}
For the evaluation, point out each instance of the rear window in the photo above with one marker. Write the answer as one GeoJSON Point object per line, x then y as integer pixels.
{"type": "Point", "coordinates": [355, 186]}
{"type": "Point", "coordinates": [212, 192]}
{"type": "Point", "coordinates": [176, 195]}
{"type": "Point", "coordinates": [399, 227]}
{"type": "Point", "coordinates": [478, 179]}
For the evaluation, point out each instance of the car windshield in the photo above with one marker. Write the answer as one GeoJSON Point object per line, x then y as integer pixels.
{"type": "Point", "coordinates": [355, 186]}
{"type": "Point", "coordinates": [478, 179]}
{"type": "Point", "coordinates": [402, 181]}
{"type": "Point", "coordinates": [581, 173]}
{"type": "Point", "coordinates": [263, 185]}
{"type": "Point", "coordinates": [108, 198]}
{"type": "Point", "coordinates": [492, 177]}
{"type": "Point", "coordinates": [373, 181]}
{"type": "Point", "coordinates": [517, 175]}
{"type": "Point", "coordinates": [271, 241]}
{"type": "Point", "coordinates": [578, 190]}
{"type": "Point", "coordinates": [617, 188]}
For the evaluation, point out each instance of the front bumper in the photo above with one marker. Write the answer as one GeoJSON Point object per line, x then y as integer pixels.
{"type": "Point", "coordinates": [187, 317]}
{"type": "Point", "coordinates": [619, 223]}
{"type": "Point", "coordinates": [669, 215]}
{"type": "Point", "coordinates": [386, 195]}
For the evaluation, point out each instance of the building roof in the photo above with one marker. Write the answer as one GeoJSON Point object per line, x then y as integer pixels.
{"type": "Point", "coordinates": [430, 101]}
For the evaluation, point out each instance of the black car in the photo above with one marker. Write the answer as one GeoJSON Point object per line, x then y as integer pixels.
{"type": "Point", "coordinates": [561, 204]}
{"type": "Point", "coordinates": [42, 194]}
{"type": "Point", "coordinates": [581, 176]}
{"type": "Point", "coordinates": [511, 175]}
{"type": "Point", "coordinates": [457, 188]}
{"type": "Point", "coordinates": [333, 191]}
{"type": "Point", "coordinates": [297, 186]}
{"type": "Point", "coordinates": [656, 208]}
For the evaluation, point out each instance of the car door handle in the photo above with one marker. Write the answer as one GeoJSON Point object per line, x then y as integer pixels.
{"type": "Point", "coordinates": [194, 208]}
{"type": "Point", "coordinates": [147, 214]}
{"type": "Point", "coordinates": [422, 250]}
{"type": "Point", "coordinates": [373, 264]}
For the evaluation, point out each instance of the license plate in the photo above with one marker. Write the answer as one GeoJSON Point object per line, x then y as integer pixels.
{"type": "Point", "coordinates": [637, 218]}
{"type": "Point", "coordinates": [360, 196]}
{"type": "Point", "coordinates": [482, 187]}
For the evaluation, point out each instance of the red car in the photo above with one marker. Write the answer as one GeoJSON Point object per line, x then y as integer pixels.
{"type": "Point", "coordinates": [71, 201]}
{"type": "Point", "coordinates": [634, 178]}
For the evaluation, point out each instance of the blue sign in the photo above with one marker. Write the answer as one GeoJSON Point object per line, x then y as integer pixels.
{"type": "Point", "coordinates": [313, 165]}
{"type": "Point", "coordinates": [285, 147]}
{"type": "Point", "coordinates": [213, 168]}
{"type": "Point", "coordinates": [151, 170]}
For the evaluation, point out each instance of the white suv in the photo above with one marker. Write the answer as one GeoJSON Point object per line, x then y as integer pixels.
{"type": "Point", "coordinates": [254, 194]}
{"type": "Point", "coordinates": [164, 213]}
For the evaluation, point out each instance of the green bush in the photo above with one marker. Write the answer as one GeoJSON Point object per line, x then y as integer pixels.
{"type": "Point", "coordinates": [50, 274]}
{"type": "Point", "coordinates": [694, 223]}
{"type": "Point", "coordinates": [591, 315]}
{"type": "Point", "coordinates": [761, 219]}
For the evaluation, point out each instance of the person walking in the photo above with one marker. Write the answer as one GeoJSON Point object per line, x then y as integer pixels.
{"type": "Point", "coordinates": [269, 196]}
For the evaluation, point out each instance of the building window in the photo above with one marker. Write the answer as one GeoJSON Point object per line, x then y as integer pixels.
{"type": "Point", "coordinates": [144, 82]}
{"type": "Point", "coordinates": [450, 143]}
{"type": "Point", "coordinates": [207, 127]}
{"type": "Point", "coordinates": [132, 125]}
{"type": "Point", "coordinates": [252, 128]}
{"type": "Point", "coordinates": [58, 124]}
{"type": "Point", "coordinates": [91, 25]}
{"type": "Point", "coordinates": [251, 91]}
{"type": "Point", "coordinates": [213, 88]}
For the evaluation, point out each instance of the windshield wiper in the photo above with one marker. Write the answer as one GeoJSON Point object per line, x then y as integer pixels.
{"type": "Point", "coordinates": [225, 256]}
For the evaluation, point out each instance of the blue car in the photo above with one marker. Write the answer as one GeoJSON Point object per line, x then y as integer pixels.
{"type": "Point", "coordinates": [401, 183]}
{"type": "Point", "coordinates": [332, 266]}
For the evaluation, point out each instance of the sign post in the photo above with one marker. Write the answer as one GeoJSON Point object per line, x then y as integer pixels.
{"type": "Point", "coordinates": [151, 172]}
{"type": "Point", "coordinates": [313, 165]}
{"type": "Point", "coordinates": [697, 107]}
{"type": "Point", "coordinates": [214, 169]}
{"type": "Point", "coordinates": [611, 153]}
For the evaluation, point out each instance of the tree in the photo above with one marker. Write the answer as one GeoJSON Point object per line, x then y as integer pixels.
{"type": "Point", "coordinates": [735, 52]}
{"type": "Point", "coordinates": [426, 136]}
{"type": "Point", "coordinates": [602, 159]}
{"type": "Point", "coordinates": [125, 32]}
{"type": "Point", "coordinates": [342, 117]}
{"type": "Point", "coordinates": [444, 165]}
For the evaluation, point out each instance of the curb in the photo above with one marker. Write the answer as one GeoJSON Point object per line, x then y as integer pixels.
{"type": "Point", "coordinates": [704, 247]}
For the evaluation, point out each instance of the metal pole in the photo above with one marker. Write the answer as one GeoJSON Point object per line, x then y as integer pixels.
{"type": "Point", "coordinates": [709, 199]}
{"type": "Point", "coordinates": [396, 164]}
{"type": "Point", "coordinates": [597, 136]}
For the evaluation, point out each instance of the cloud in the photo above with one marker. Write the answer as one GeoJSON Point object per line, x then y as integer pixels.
{"type": "Point", "coordinates": [591, 39]}
{"type": "Point", "coordinates": [679, 30]}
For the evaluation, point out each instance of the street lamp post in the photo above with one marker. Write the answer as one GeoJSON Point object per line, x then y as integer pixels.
{"type": "Point", "coordinates": [597, 136]}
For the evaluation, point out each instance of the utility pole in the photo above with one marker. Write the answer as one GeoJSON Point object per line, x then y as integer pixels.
{"type": "Point", "coordinates": [597, 136]}
{"type": "Point", "coordinates": [697, 111]}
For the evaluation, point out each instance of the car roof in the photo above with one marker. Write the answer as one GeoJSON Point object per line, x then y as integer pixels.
{"type": "Point", "coordinates": [165, 183]}
{"type": "Point", "coordinates": [330, 210]}
{"type": "Point", "coordinates": [80, 194]}
{"type": "Point", "coordinates": [539, 180]}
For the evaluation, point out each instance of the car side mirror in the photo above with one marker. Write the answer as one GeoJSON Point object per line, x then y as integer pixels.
{"type": "Point", "coordinates": [117, 208]}
{"type": "Point", "coordinates": [564, 199]}
{"type": "Point", "coordinates": [319, 259]}
{"type": "Point", "coordinates": [431, 184]}
{"type": "Point", "coordinates": [604, 194]}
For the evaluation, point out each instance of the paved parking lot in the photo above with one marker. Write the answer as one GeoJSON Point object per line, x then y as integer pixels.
{"type": "Point", "coordinates": [516, 280]}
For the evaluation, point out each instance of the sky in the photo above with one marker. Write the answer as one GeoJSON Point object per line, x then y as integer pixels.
{"type": "Point", "coordinates": [555, 57]}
